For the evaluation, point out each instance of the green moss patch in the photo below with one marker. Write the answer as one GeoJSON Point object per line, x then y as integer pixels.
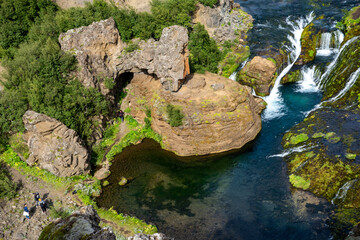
{"type": "Point", "coordinates": [296, 139]}
{"type": "Point", "coordinates": [299, 182]}
{"type": "Point", "coordinates": [350, 156]}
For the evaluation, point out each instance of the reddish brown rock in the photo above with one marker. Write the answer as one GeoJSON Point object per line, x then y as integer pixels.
{"type": "Point", "coordinates": [219, 114]}
{"type": "Point", "coordinates": [260, 74]}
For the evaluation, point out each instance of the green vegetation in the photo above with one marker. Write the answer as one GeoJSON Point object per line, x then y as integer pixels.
{"type": "Point", "coordinates": [85, 192]}
{"type": "Point", "coordinates": [7, 187]}
{"type": "Point", "coordinates": [210, 3]}
{"type": "Point", "coordinates": [350, 23]}
{"type": "Point", "coordinates": [299, 182]}
{"type": "Point", "coordinates": [204, 53]}
{"type": "Point", "coordinates": [132, 47]}
{"type": "Point", "coordinates": [137, 133]}
{"type": "Point", "coordinates": [175, 116]}
{"type": "Point", "coordinates": [292, 139]}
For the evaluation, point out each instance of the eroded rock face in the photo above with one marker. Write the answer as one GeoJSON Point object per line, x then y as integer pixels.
{"type": "Point", "coordinates": [219, 114]}
{"type": "Point", "coordinates": [103, 56]}
{"type": "Point", "coordinates": [259, 74]}
{"type": "Point", "coordinates": [54, 147]}
{"type": "Point", "coordinates": [83, 224]}
{"type": "Point", "coordinates": [224, 22]}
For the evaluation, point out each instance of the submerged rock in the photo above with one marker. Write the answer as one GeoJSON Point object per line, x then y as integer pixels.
{"type": "Point", "coordinates": [54, 147]}
{"type": "Point", "coordinates": [103, 57]}
{"type": "Point", "coordinates": [260, 74]}
{"type": "Point", "coordinates": [83, 225]}
{"type": "Point", "coordinates": [218, 114]}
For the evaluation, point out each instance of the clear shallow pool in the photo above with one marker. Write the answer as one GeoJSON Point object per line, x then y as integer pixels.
{"type": "Point", "coordinates": [241, 194]}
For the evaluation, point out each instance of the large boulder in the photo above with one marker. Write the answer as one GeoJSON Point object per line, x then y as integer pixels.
{"type": "Point", "coordinates": [54, 147]}
{"type": "Point", "coordinates": [103, 57]}
{"type": "Point", "coordinates": [218, 114]}
{"type": "Point", "coordinates": [260, 74]}
{"type": "Point", "coordinates": [223, 22]}
{"type": "Point", "coordinates": [83, 224]}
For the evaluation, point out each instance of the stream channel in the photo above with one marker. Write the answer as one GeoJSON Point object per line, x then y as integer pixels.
{"type": "Point", "coordinates": [241, 194]}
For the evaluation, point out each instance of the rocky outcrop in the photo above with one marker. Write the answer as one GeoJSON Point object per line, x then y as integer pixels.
{"type": "Point", "coordinates": [83, 224]}
{"type": "Point", "coordinates": [103, 57]}
{"type": "Point", "coordinates": [218, 114]}
{"type": "Point", "coordinates": [223, 23]}
{"type": "Point", "coordinates": [53, 146]}
{"type": "Point", "coordinates": [309, 38]}
{"type": "Point", "coordinates": [260, 74]}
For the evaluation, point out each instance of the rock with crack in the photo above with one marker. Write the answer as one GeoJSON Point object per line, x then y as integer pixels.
{"type": "Point", "coordinates": [103, 57]}
{"type": "Point", "coordinates": [54, 147]}
{"type": "Point", "coordinates": [218, 114]}
{"type": "Point", "coordinates": [83, 224]}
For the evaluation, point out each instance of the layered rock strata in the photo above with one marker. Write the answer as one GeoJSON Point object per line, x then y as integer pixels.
{"type": "Point", "coordinates": [260, 74]}
{"type": "Point", "coordinates": [102, 55]}
{"type": "Point", "coordinates": [54, 147]}
{"type": "Point", "coordinates": [219, 114]}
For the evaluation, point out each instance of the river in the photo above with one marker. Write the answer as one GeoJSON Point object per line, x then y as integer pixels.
{"type": "Point", "coordinates": [241, 194]}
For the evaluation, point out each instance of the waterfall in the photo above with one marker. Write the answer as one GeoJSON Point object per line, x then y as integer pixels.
{"type": "Point", "coordinates": [329, 69]}
{"type": "Point", "coordinates": [341, 194]}
{"type": "Point", "coordinates": [292, 150]}
{"type": "Point", "coordinates": [329, 43]}
{"type": "Point", "coordinates": [233, 75]}
{"type": "Point", "coordinates": [308, 80]}
{"type": "Point", "coordinates": [275, 105]}
{"type": "Point", "coordinates": [338, 39]}
{"type": "Point", "coordinates": [325, 42]}
{"type": "Point", "coordinates": [352, 80]}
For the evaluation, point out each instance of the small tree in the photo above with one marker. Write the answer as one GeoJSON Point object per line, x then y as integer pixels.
{"type": "Point", "coordinates": [175, 116]}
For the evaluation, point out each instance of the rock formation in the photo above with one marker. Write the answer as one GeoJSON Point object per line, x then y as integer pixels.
{"type": "Point", "coordinates": [219, 114]}
{"type": "Point", "coordinates": [223, 22]}
{"type": "Point", "coordinates": [309, 38]}
{"type": "Point", "coordinates": [53, 146]}
{"type": "Point", "coordinates": [260, 74]}
{"type": "Point", "coordinates": [103, 56]}
{"type": "Point", "coordinates": [83, 224]}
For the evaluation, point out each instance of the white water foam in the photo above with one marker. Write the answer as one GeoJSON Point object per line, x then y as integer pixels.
{"type": "Point", "coordinates": [275, 106]}
{"type": "Point", "coordinates": [233, 75]}
{"type": "Point", "coordinates": [352, 80]}
{"type": "Point", "coordinates": [308, 78]}
{"type": "Point", "coordinates": [330, 43]}
{"type": "Point", "coordinates": [291, 150]}
{"type": "Point", "coordinates": [341, 194]}
{"type": "Point", "coordinates": [324, 77]}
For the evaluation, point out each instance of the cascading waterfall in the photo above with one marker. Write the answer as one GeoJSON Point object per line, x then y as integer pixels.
{"type": "Point", "coordinates": [233, 75]}
{"type": "Point", "coordinates": [275, 105]}
{"type": "Point", "coordinates": [308, 79]}
{"type": "Point", "coordinates": [338, 38]}
{"type": "Point", "coordinates": [323, 80]}
{"type": "Point", "coordinates": [329, 43]}
{"type": "Point", "coordinates": [341, 194]}
{"type": "Point", "coordinates": [325, 41]}
{"type": "Point", "coordinates": [352, 80]}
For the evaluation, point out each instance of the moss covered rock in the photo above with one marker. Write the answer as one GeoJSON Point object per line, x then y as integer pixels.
{"type": "Point", "coordinates": [309, 39]}
{"type": "Point", "coordinates": [83, 225]}
{"type": "Point", "coordinates": [350, 24]}
{"type": "Point", "coordinates": [260, 74]}
{"type": "Point", "coordinates": [291, 77]}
